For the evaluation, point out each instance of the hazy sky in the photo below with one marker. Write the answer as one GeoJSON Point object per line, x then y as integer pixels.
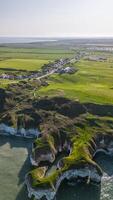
{"type": "Point", "coordinates": [56, 18]}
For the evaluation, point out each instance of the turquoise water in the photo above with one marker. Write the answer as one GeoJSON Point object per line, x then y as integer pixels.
{"type": "Point", "coordinates": [14, 164]}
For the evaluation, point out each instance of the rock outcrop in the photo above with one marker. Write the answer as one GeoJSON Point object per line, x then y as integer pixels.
{"type": "Point", "coordinates": [71, 134]}
{"type": "Point", "coordinates": [74, 174]}
{"type": "Point", "coordinates": [84, 171]}
{"type": "Point", "coordinates": [22, 132]}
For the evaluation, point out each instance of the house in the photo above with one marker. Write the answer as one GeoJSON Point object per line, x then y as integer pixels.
{"type": "Point", "coordinates": [68, 70]}
{"type": "Point", "coordinates": [96, 58]}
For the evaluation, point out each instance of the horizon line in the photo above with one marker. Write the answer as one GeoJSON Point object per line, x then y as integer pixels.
{"type": "Point", "coordinates": [72, 37]}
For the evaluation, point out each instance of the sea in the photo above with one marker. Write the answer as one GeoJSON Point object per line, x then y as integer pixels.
{"type": "Point", "coordinates": [15, 163]}
{"type": "Point", "coordinates": [4, 40]}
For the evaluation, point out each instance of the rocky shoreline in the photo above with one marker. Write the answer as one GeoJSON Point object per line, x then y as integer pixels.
{"type": "Point", "coordinates": [75, 174]}
{"type": "Point", "coordinates": [21, 132]}
{"type": "Point", "coordinates": [71, 134]}
{"type": "Point", "coordinates": [87, 172]}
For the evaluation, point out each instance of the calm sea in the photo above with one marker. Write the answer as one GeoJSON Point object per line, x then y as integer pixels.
{"type": "Point", "coordinates": [24, 39]}
{"type": "Point", "coordinates": [14, 164]}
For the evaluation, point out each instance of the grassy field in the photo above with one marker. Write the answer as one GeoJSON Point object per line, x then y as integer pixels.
{"type": "Point", "coordinates": [22, 64]}
{"type": "Point", "coordinates": [34, 53]}
{"type": "Point", "coordinates": [29, 59]}
{"type": "Point", "coordinates": [92, 83]}
{"type": "Point", "coordinates": [5, 82]}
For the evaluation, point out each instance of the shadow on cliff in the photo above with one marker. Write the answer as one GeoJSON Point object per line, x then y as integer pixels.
{"type": "Point", "coordinates": [80, 191]}
{"type": "Point", "coordinates": [71, 108]}
{"type": "Point", "coordinates": [16, 142]}
{"type": "Point", "coordinates": [24, 170]}
{"type": "Point", "coordinates": [22, 195]}
{"type": "Point", "coordinates": [12, 70]}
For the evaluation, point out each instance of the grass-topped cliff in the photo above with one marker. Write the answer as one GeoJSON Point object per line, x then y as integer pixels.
{"type": "Point", "coordinates": [73, 112]}
{"type": "Point", "coordinates": [78, 140]}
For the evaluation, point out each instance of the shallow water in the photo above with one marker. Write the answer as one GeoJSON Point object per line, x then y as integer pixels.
{"type": "Point", "coordinates": [14, 164]}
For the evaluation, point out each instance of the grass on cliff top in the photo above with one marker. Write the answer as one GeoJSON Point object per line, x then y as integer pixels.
{"type": "Point", "coordinates": [80, 149]}
{"type": "Point", "coordinates": [79, 153]}
{"type": "Point", "coordinates": [92, 83]}
{"type": "Point", "coordinates": [41, 143]}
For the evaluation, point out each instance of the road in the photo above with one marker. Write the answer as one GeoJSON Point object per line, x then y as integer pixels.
{"type": "Point", "coordinates": [54, 68]}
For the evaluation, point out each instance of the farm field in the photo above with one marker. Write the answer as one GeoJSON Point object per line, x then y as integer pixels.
{"type": "Point", "coordinates": [34, 53]}
{"type": "Point", "coordinates": [22, 64]}
{"type": "Point", "coordinates": [93, 82]}
{"type": "Point", "coordinates": [16, 60]}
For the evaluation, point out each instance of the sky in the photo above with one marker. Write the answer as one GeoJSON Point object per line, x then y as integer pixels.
{"type": "Point", "coordinates": [56, 18]}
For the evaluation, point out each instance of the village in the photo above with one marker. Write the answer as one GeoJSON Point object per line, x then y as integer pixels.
{"type": "Point", "coordinates": [58, 66]}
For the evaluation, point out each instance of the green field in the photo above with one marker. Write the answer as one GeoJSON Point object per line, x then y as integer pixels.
{"type": "Point", "coordinates": [92, 83]}
{"type": "Point", "coordinates": [34, 53]}
{"type": "Point", "coordinates": [22, 64]}
{"type": "Point", "coordinates": [5, 82]}
{"type": "Point", "coordinates": [30, 59]}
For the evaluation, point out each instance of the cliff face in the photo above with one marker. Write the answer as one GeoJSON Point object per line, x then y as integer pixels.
{"type": "Point", "coordinates": [87, 171]}
{"type": "Point", "coordinates": [3, 96]}
{"type": "Point", "coordinates": [21, 132]}
{"type": "Point", "coordinates": [104, 143]}
{"type": "Point", "coordinates": [72, 135]}
{"type": "Point", "coordinates": [69, 137]}
{"type": "Point", "coordinates": [74, 174]}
